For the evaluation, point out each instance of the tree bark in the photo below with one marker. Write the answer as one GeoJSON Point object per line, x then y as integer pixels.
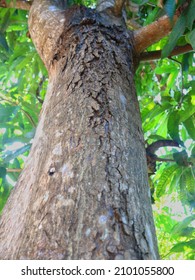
{"type": "Point", "coordinates": [84, 191]}
{"type": "Point", "coordinates": [18, 4]}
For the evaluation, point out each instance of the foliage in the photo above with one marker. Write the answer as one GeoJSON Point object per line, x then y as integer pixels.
{"type": "Point", "coordinates": [167, 98]}
{"type": "Point", "coordinates": [23, 80]}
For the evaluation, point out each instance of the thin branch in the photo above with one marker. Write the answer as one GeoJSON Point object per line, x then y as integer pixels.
{"type": "Point", "coordinates": [164, 159]}
{"type": "Point", "coordinates": [152, 33]}
{"type": "Point", "coordinates": [12, 170]}
{"type": "Point", "coordinates": [29, 117]}
{"type": "Point", "coordinates": [42, 80]}
{"type": "Point", "coordinates": [132, 24]}
{"type": "Point", "coordinates": [18, 4]}
{"type": "Point", "coordinates": [24, 111]}
{"type": "Point", "coordinates": [153, 55]}
{"type": "Point", "coordinates": [152, 148]}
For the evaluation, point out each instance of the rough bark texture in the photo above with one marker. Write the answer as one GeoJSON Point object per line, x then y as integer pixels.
{"type": "Point", "coordinates": [84, 192]}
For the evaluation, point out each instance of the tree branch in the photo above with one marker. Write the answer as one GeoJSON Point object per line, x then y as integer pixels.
{"type": "Point", "coordinates": [152, 33]}
{"type": "Point", "coordinates": [152, 157]}
{"type": "Point", "coordinates": [18, 4]}
{"type": "Point", "coordinates": [152, 148]}
{"type": "Point", "coordinates": [118, 7]}
{"type": "Point", "coordinates": [153, 55]}
{"type": "Point", "coordinates": [46, 32]}
{"type": "Point", "coordinates": [13, 170]}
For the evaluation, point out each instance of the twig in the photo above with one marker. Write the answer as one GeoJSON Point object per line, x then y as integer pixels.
{"type": "Point", "coordinates": [12, 170]}
{"type": "Point", "coordinates": [24, 111]}
{"type": "Point", "coordinates": [164, 159]}
{"type": "Point", "coordinates": [39, 89]}
{"type": "Point", "coordinates": [153, 55]}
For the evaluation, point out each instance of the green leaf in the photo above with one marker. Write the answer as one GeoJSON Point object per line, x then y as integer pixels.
{"type": "Point", "coordinates": [176, 178]}
{"type": "Point", "coordinates": [191, 38]}
{"type": "Point", "coordinates": [3, 172]}
{"type": "Point", "coordinates": [179, 247]}
{"type": "Point", "coordinates": [191, 181]}
{"type": "Point", "coordinates": [162, 69]}
{"type": "Point", "coordinates": [191, 15]}
{"type": "Point", "coordinates": [7, 112]}
{"type": "Point", "coordinates": [3, 42]}
{"type": "Point", "coordinates": [185, 62]}
{"type": "Point", "coordinates": [177, 31]}
{"type": "Point", "coordinates": [182, 225]}
{"type": "Point", "coordinates": [5, 21]}
{"type": "Point", "coordinates": [181, 158]}
{"type": "Point", "coordinates": [190, 127]}
{"type": "Point", "coordinates": [173, 126]}
{"type": "Point", "coordinates": [165, 221]}
{"type": "Point", "coordinates": [4, 193]}
{"type": "Point", "coordinates": [165, 180]}
{"type": "Point", "coordinates": [187, 232]}
{"type": "Point", "coordinates": [170, 8]}
{"type": "Point", "coordinates": [15, 154]}
{"type": "Point", "coordinates": [191, 244]}
{"type": "Point", "coordinates": [187, 187]}
{"type": "Point", "coordinates": [171, 79]}
{"type": "Point", "coordinates": [187, 113]}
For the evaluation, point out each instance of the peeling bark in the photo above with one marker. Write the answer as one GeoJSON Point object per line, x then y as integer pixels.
{"type": "Point", "coordinates": [84, 191]}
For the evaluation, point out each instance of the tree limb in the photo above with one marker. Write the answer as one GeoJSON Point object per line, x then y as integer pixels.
{"type": "Point", "coordinates": [153, 55]}
{"type": "Point", "coordinates": [152, 157]}
{"type": "Point", "coordinates": [152, 148]}
{"type": "Point", "coordinates": [152, 33]}
{"type": "Point", "coordinates": [118, 7]}
{"type": "Point", "coordinates": [18, 4]}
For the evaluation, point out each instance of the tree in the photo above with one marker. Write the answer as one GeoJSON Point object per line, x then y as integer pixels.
{"type": "Point", "coordinates": [84, 193]}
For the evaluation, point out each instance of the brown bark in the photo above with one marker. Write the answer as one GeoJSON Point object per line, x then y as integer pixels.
{"type": "Point", "coordinates": [18, 4]}
{"type": "Point", "coordinates": [143, 36]}
{"type": "Point", "coordinates": [152, 33]}
{"type": "Point", "coordinates": [153, 55]}
{"type": "Point", "coordinates": [84, 191]}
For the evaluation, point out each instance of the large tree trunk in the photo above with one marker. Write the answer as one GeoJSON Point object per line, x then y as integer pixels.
{"type": "Point", "coordinates": [84, 192]}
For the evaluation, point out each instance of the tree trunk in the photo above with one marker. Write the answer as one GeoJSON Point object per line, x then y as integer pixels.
{"type": "Point", "coordinates": [84, 191]}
